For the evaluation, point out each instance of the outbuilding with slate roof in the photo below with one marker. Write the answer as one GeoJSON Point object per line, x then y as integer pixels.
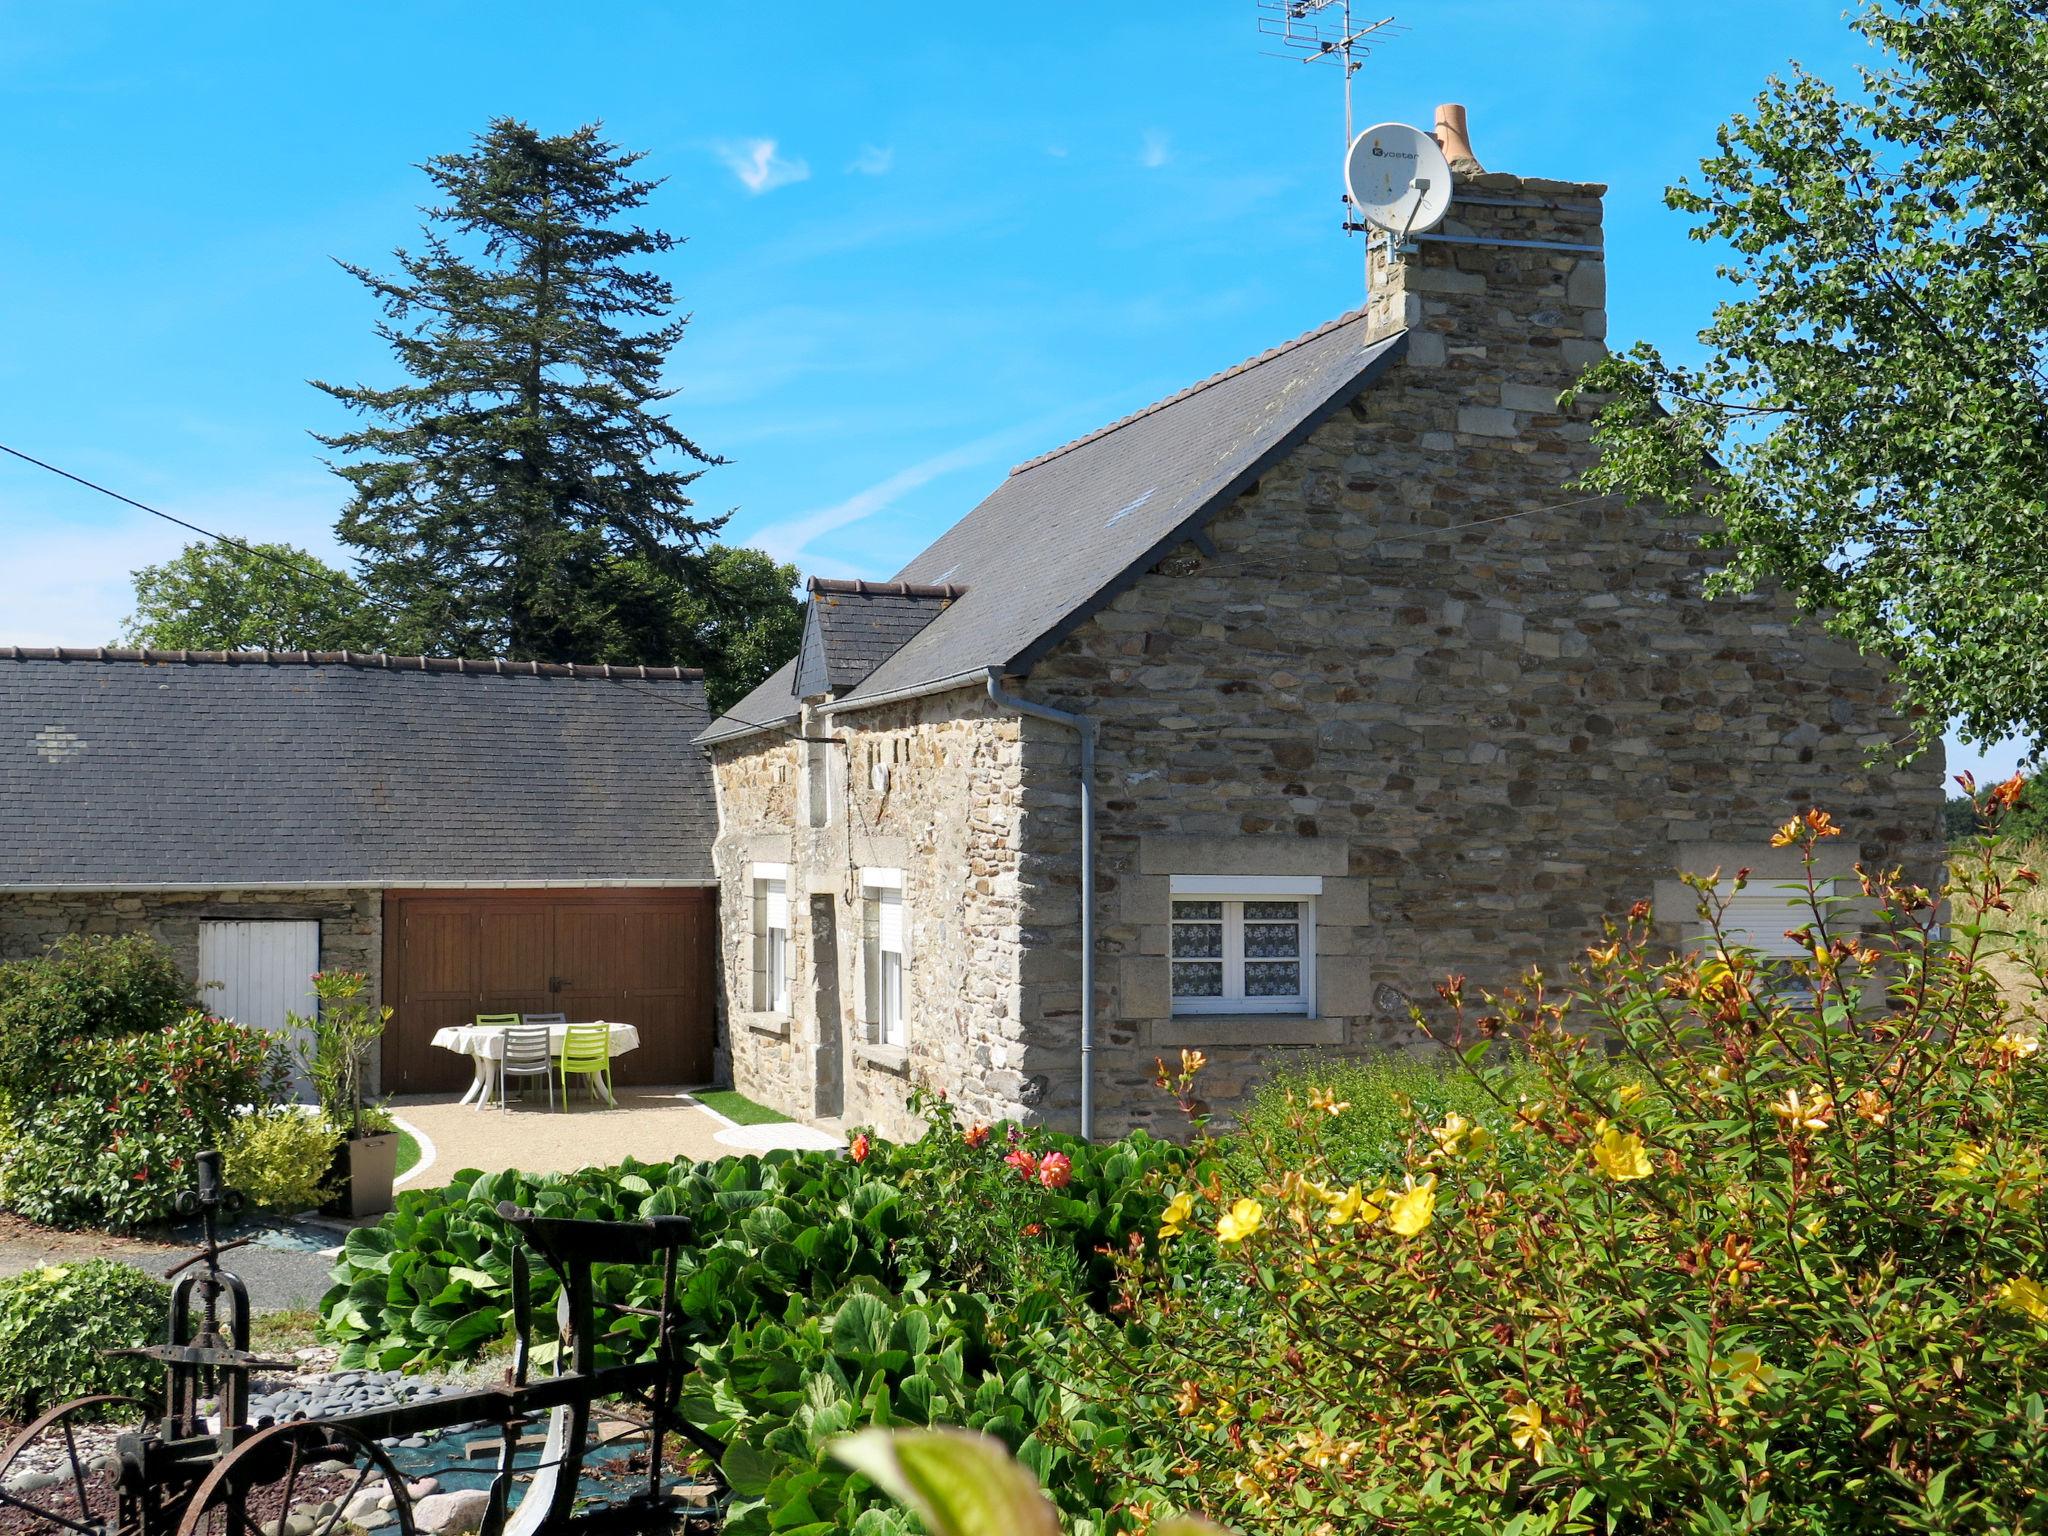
{"type": "Point", "coordinates": [477, 836]}
{"type": "Point", "coordinates": [1238, 724]}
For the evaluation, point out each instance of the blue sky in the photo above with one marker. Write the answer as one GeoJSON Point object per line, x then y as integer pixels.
{"type": "Point", "coordinates": [923, 243]}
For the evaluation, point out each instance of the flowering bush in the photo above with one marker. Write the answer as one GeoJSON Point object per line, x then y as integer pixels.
{"type": "Point", "coordinates": [81, 988]}
{"type": "Point", "coordinates": [115, 1148]}
{"type": "Point", "coordinates": [1022, 1216]}
{"type": "Point", "coordinates": [1767, 1252]}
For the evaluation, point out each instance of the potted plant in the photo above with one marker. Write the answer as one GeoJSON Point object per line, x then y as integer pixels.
{"type": "Point", "coordinates": [335, 1049]}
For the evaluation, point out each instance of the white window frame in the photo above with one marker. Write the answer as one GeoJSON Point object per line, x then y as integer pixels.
{"type": "Point", "coordinates": [772, 947]}
{"type": "Point", "coordinates": [1234, 891]}
{"type": "Point", "coordinates": [884, 986]}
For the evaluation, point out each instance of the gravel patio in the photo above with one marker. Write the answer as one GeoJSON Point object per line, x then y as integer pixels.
{"type": "Point", "coordinates": [651, 1124]}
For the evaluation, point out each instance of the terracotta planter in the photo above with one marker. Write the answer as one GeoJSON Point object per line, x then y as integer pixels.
{"type": "Point", "coordinates": [364, 1169]}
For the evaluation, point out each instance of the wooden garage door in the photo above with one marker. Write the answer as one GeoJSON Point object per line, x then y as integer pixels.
{"type": "Point", "coordinates": [638, 957]}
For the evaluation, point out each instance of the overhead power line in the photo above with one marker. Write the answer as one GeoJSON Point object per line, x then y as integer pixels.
{"type": "Point", "coordinates": [384, 607]}
{"type": "Point", "coordinates": [380, 604]}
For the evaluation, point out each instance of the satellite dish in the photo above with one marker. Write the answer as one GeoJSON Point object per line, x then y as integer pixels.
{"type": "Point", "coordinates": [1398, 179]}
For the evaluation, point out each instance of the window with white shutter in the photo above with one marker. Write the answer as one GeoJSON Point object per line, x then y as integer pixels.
{"type": "Point", "coordinates": [1757, 916]}
{"type": "Point", "coordinates": [771, 938]}
{"type": "Point", "coordinates": [882, 955]}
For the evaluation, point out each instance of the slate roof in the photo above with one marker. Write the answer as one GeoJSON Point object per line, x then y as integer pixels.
{"type": "Point", "coordinates": [126, 769]}
{"type": "Point", "coordinates": [1069, 530]}
{"type": "Point", "coordinates": [852, 627]}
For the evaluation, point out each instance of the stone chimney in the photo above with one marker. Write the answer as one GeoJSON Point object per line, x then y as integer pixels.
{"type": "Point", "coordinates": [1512, 285]}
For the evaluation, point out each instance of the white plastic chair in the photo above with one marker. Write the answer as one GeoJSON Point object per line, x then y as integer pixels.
{"type": "Point", "coordinates": [528, 1053]}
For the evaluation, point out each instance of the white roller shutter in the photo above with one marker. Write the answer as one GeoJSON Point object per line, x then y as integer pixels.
{"type": "Point", "coordinates": [1758, 919]}
{"type": "Point", "coordinates": [891, 920]}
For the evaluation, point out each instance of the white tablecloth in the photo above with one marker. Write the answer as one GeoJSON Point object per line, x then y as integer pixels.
{"type": "Point", "coordinates": [488, 1040]}
{"type": "Point", "coordinates": [484, 1045]}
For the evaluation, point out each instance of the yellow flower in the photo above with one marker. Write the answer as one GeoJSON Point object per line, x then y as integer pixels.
{"type": "Point", "coordinates": [1812, 1227]}
{"type": "Point", "coordinates": [1788, 834]}
{"type": "Point", "coordinates": [1457, 1134]}
{"type": "Point", "coordinates": [1189, 1401]}
{"type": "Point", "coordinates": [1175, 1220]}
{"type": "Point", "coordinates": [1745, 1370]}
{"type": "Point", "coordinates": [1242, 1219]}
{"type": "Point", "coordinates": [1328, 1102]}
{"type": "Point", "coordinates": [1354, 1205]}
{"type": "Point", "coordinates": [1804, 1114]}
{"type": "Point", "coordinates": [1192, 1062]}
{"type": "Point", "coordinates": [1620, 1153]}
{"type": "Point", "coordinates": [1628, 1093]}
{"type": "Point", "coordinates": [1969, 1156]}
{"type": "Point", "coordinates": [1414, 1208]}
{"type": "Point", "coordinates": [2021, 1039]}
{"type": "Point", "coordinates": [1871, 1105]}
{"type": "Point", "coordinates": [2021, 1294]}
{"type": "Point", "coordinates": [1529, 1433]}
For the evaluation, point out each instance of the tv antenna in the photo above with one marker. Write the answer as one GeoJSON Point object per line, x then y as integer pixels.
{"type": "Point", "coordinates": [1325, 32]}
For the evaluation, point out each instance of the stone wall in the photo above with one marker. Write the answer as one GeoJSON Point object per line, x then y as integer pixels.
{"type": "Point", "coordinates": [1483, 734]}
{"type": "Point", "coordinates": [934, 788]}
{"type": "Point", "coordinates": [1483, 710]}
{"type": "Point", "coordinates": [351, 922]}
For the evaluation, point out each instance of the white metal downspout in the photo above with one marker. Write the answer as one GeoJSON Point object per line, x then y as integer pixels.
{"type": "Point", "coordinates": [1083, 726]}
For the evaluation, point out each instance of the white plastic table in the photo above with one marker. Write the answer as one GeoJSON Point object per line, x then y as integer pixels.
{"type": "Point", "coordinates": [484, 1045]}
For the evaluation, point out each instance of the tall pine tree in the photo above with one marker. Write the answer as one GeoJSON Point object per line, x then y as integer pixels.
{"type": "Point", "coordinates": [520, 493]}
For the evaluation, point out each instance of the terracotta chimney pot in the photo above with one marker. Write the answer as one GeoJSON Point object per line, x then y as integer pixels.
{"type": "Point", "coordinates": [1457, 148]}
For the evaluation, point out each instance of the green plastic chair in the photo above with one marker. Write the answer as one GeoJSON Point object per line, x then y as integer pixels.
{"type": "Point", "coordinates": [587, 1051]}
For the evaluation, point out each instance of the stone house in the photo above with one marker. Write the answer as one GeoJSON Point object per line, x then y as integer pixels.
{"type": "Point", "coordinates": [1241, 722]}
{"type": "Point", "coordinates": [476, 836]}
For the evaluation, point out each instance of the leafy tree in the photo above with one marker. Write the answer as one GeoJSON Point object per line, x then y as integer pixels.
{"type": "Point", "coordinates": [238, 597]}
{"type": "Point", "coordinates": [1869, 419]}
{"type": "Point", "coordinates": [737, 616]}
{"type": "Point", "coordinates": [515, 496]}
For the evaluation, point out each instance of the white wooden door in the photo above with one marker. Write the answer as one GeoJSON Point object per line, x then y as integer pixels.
{"type": "Point", "coordinates": [256, 973]}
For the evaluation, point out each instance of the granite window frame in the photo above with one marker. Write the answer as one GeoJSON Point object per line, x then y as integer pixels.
{"type": "Point", "coordinates": [1232, 895]}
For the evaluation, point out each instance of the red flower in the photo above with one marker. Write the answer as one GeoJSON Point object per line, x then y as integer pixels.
{"type": "Point", "coordinates": [1035, 1229]}
{"type": "Point", "coordinates": [1055, 1170]}
{"type": "Point", "coordinates": [976, 1136]}
{"type": "Point", "coordinates": [861, 1147]}
{"type": "Point", "coordinates": [1025, 1164]}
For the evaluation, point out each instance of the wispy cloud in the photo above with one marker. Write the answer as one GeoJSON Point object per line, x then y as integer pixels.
{"type": "Point", "coordinates": [872, 161]}
{"type": "Point", "coordinates": [791, 538]}
{"type": "Point", "coordinates": [759, 168]}
{"type": "Point", "coordinates": [1156, 149]}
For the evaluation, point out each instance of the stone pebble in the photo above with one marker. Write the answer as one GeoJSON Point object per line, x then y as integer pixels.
{"type": "Point", "coordinates": [342, 1392]}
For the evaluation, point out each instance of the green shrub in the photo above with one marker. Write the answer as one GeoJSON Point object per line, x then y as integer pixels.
{"type": "Point", "coordinates": [819, 1294]}
{"type": "Point", "coordinates": [340, 1036]}
{"type": "Point", "coordinates": [55, 1323]}
{"type": "Point", "coordinates": [1372, 1108]}
{"type": "Point", "coordinates": [116, 1149]}
{"type": "Point", "coordinates": [280, 1158]}
{"type": "Point", "coordinates": [1771, 1256]}
{"type": "Point", "coordinates": [83, 989]}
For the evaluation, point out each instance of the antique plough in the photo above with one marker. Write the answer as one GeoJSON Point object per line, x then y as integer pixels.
{"type": "Point", "coordinates": [194, 1465]}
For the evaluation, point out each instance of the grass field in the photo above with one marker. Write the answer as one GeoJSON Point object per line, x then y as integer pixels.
{"type": "Point", "coordinates": [408, 1151]}
{"type": "Point", "coordinates": [737, 1107]}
